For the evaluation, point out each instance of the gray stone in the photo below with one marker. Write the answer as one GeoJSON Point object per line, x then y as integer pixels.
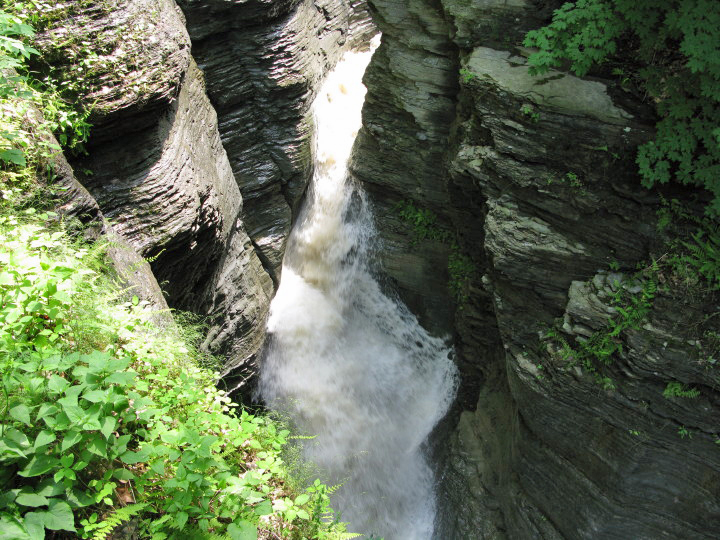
{"type": "Point", "coordinates": [263, 61]}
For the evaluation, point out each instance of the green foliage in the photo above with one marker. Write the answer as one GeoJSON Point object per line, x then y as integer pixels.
{"type": "Point", "coordinates": [101, 409]}
{"type": "Point", "coordinates": [672, 50]}
{"type": "Point", "coordinates": [466, 75]}
{"type": "Point", "coordinates": [461, 269]}
{"type": "Point", "coordinates": [694, 248]}
{"type": "Point", "coordinates": [530, 112]}
{"type": "Point", "coordinates": [632, 302]}
{"type": "Point", "coordinates": [103, 529]}
{"type": "Point", "coordinates": [569, 179]}
{"type": "Point", "coordinates": [424, 222]}
{"type": "Point", "coordinates": [678, 389]}
{"type": "Point", "coordinates": [21, 90]}
{"type": "Point", "coordinates": [13, 54]}
{"type": "Point", "coordinates": [103, 415]}
{"type": "Point", "coordinates": [425, 226]}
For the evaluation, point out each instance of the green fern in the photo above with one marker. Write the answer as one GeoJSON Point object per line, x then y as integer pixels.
{"type": "Point", "coordinates": [119, 516]}
{"type": "Point", "coordinates": [678, 389]}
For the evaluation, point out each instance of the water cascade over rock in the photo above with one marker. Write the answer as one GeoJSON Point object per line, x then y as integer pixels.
{"type": "Point", "coordinates": [349, 363]}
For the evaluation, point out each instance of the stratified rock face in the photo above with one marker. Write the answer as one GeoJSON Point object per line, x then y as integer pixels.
{"type": "Point", "coordinates": [537, 177]}
{"type": "Point", "coordinates": [263, 61]}
{"type": "Point", "coordinates": [157, 165]}
{"type": "Point", "coordinates": [158, 171]}
{"type": "Point", "coordinates": [408, 112]}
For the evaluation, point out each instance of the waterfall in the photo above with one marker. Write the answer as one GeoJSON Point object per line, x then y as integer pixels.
{"type": "Point", "coordinates": [348, 363]}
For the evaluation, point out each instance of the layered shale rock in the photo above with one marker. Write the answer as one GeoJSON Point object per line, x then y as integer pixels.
{"type": "Point", "coordinates": [263, 62]}
{"type": "Point", "coordinates": [163, 173]}
{"type": "Point", "coordinates": [408, 112]}
{"type": "Point", "coordinates": [158, 171]}
{"type": "Point", "coordinates": [536, 177]}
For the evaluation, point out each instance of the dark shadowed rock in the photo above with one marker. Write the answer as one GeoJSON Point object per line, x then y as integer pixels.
{"type": "Point", "coordinates": [399, 153]}
{"type": "Point", "coordinates": [159, 173]}
{"type": "Point", "coordinates": [263, 62]}
{"type": "Point", "coordinates": [536, 178]}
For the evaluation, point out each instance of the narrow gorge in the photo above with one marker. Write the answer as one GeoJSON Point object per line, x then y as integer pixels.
{"type": "Point", "coordinates": [447, 277]}
{"type": "Point", "coordinates": [350, 365]}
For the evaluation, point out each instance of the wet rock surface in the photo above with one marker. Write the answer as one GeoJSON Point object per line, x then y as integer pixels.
{"type": "Point", "coordinates": [536, 178]}
{"type": "Point", "coordinates": [169, 176]}
{"type": "Point", "coordinates": [263, 62]}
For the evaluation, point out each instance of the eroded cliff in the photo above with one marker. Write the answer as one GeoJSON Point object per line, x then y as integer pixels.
{"type": "Point", "coordinates": [170, 177]}
{"type": "Point", "coordinates": [535, 176]}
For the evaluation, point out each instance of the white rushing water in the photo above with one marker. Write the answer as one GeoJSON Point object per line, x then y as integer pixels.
{"type": "Point", "coordinates": [346, 362]}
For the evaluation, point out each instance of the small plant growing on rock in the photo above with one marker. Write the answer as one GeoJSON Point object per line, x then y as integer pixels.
{"type": "Point", "coordinates": [678, 389]}
{"type": "Point", "coordinates": [530, 112]}
{"type": "Point", "coordinates": [466, 75]}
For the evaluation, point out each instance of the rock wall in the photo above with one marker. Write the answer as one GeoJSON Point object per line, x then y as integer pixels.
{"type": "Point", "coordinates": [533, 176]}
{"type": "Point", "coordinates": [169, 177]}
{"type": "Point", "coordinates": [263, 62]}
{"type": "Point", "coordinates": [536, 178]}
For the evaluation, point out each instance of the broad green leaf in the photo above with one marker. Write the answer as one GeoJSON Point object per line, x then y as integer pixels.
{"type": "Point", "coordinates": [242, 530]}
{"type": "Point", "coordinates": [45, 412]}
{"type": "Point", "coordinates": [123, 378]}
{"type": "Point", "coordinates": [108, 425]}
{"type": "Point", "coordinates": [59, 517]}
{"type": "Point", "coordinates": [302, 499]}
{"type": "Point", "coordinates": [123, 474]}
{"type": "Point", "coordinates": [171, 437]}
{"type": "Point", "coordinates": [31, 499]}
{"type": "Point", "coordinates": [97, 445]}
{"type": "Point", "coordinates": [136, 457]}
{"type": "Point", "coordinates": [45, 437]}
{"type": "Point", "coordinates": [13, 155]}
{"type": "Point", "coordinates": [12, 528]}
{"type": "Point", "coordinates": [77, 498]}
{"type": "Point", "coordinates": [35, 525]}
{"type": "Point", "coordinates": [263, 509]}
{"type": "Point", "coordinates": [180, 519]}
{"type": "Point", "coordinates": [39, 464]}
{"type": "Point", "coordinates": [48, 488]}
{"type": "Point", "coordinates": [71, 408]}
{"type": "Point", "coordinates": [95, 396]}
{"type": "Point", "coordinates": [21, 413]}
{"type": "Point", "coordinates": [17, 445]}
{"type": "Point", "coordinates": [72, 437]}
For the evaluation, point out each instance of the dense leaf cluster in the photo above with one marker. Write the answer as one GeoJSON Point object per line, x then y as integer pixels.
{"type": "Point", "coordinates": [105, 415]}
{"type": "Point", "coordinates": [673, 49]}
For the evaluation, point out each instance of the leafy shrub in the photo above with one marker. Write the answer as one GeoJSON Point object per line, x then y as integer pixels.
{"type": "Point", "coordinates": [105, 416]}
{"type": "Point", "coordinates": [21, 91]}
{"type": "Point", "coordinates": [672, 50]}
